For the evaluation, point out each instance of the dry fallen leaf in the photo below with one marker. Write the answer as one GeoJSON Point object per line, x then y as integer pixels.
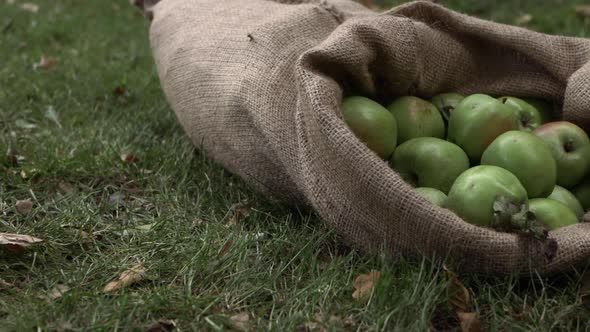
{"type": "Point", "coordinates": [444, 318]}
{"type": "Point", "coordinates": [12, 159]}
{"type": "Point", "coordinates": [523, 19]}
{"type": "Point", "coordinates": [30, 7]}
{"type": "Point", "coordinates": [117, 199]}
{"type": "Point", "coordinates": [319, 317]}
{"type": "Point", "coordinates": [240, 321]}
{"type": "Point", "coordinates": [349, 322]}
{"type": "Point", "coordinates": [44, 63]}
{"type": "Point", "coordinates": [83, 235]}
{"type": "Point", "coordinates": [34, 175]}
{"type": "Point", "coordinates": [457, 294]}
{"type": "Point", "coordinates": [17, 242]}
{"type": "Point", "coordinates": [129, 158]}
{"type": "Point", "coordinates": [317, 324]}
{"type": "Point", "coordinates": [5, 284]}
{"type": "Point", "coordinates": [460, 302]}
{"type": "Point", "coordinates": [64, 325]}
{"type": "Point", "coordinates": [127, 278]}
{"type": "Point", "coordinates": [364, 283]}
{"type": "Point", "coordinates": [225, 248]}
{"type": "Point", "coordinates": [240, 211]}
{"type": "Point", "coordinates": [334, 319]}
{"type": "Point", "coordinates": [24, 206]}
{"type": "Point", "coordinates": [313, 327]}
{"type": "Point", "coordinates": [583, 10]}
{"type": "Point", "coordinates": [162, 325]}
{"type": "Point", "coordinates": [120, 91]}
{"type": "Point", "coordinates": [65, 187]}
{"type": "Point", "coordinates": [58, 291]}
{"type": "Point", "coordinates": [469, 321]}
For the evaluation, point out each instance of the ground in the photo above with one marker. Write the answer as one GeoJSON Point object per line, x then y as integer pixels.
{"type": "Point", "coordinates": [88, 137]}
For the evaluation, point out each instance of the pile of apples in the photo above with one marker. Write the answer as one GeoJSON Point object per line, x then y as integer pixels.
{"type": "Point", "coordinates": [496, 162]}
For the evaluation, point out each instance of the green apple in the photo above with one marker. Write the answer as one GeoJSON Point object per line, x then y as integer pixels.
{"type": "Point", "coordinates": [429, 162]}
{"type": "Point", "coordinates": [491, 196]}
{"type": "Point", "coordinates": [552, 213]}
{"type": "Point", "coordinates": [446, 103]}
{"type": "Point", "coordinates": [529, 116]}
{"type": "Point", "coordinates": [582, 193]}
{"type": "Point", "coordinates": [526, 156]}
{"type": "Point", "coordinates": [435, 196]}
{"type": "Point", "coordinates": [477, 121]}
{"type": "Point", "coordinates": [416, 118]}
{"type": "Point", "coordinates": [542, 106]}
{"type": "Point", "coordinates": [372, 123]}
{"type": "Point", "coordinates": [570, 147]}
{"type": "Point", "coordinates": [564, 196]}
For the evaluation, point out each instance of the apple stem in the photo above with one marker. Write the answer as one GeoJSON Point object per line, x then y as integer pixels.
{"type": "Point", "coordinates": [569, 146]}
{"type": "Point", "coordinates": [511, 216]}
{"type": "Point", "coordinates": [446, 113]}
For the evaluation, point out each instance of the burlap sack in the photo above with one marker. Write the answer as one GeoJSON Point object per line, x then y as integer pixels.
{"type": "Point", "coordinates": [257, 84]}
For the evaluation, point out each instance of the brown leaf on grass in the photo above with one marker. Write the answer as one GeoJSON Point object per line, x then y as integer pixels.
{"type": "Point", "coordinates": [120, 91]}
{"type": "Point", "coordinates": [129, 158]}
{"type": "Point", "coordinates": [65, 187]}
{"type": "Point", "coordinates": [458, 295]}
{"type": "Point", "coordinates": [349, 321]}
{"type": "Point", "coordinates": [57, 292]}
{"type": "Point", "coordinates": [17, 242]}
{"type": "Point", "coordinates": [79, 232]}
{"type": "Point", "coordinates": [323, 259]}
{"type": "Point", "coordinates": [518, 315]}
{"type": "Point", "coordinates": [117, 199]}
{"type": "Point", "coordinates": [30, 7]}
{"type": "Point", "coordinates": [5, 284]}
{"type": "Point", "coordinates": [240, 321]}
{"type": "Point", "coordinates": [317, 324]}
{"type": "Point", "coordinates": [313, 327]}
{"type": "Point", "coordinates": [64, 325]}
{"type": "Point", "coordinates": [444, 318]}
{"type": "Point", "coordinates": [583, 10]}
{"type": "Point", "coordinates": [24, 206]}
{"type": "Point", "coordinates": [240, 211]}
{"type": "Point", "coordinates": [460, 302]}
{"type": "Point", "coordinates": [225, 248]}
{"type": "Point", "coordinates": [33, 175]}
{"type": "Point", "coordinates": [364, 283]}
{"type": "Point", "coordinates": [44, 63]}
{"type": "Point", "coordinates": [469, 321]}
{"type": "Point", "coordinates": [127, 278]}
{"type": "Point", "coordinates": [12, 159]}
{"type": "Point", "coordinates": [162, 325]}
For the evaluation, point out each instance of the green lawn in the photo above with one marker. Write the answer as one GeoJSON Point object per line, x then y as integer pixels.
{"type": "Point", "coordinates": [173, 210]}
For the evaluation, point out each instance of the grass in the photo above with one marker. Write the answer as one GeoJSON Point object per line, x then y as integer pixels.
{"type": "Point", "coordinates": [172, 209]}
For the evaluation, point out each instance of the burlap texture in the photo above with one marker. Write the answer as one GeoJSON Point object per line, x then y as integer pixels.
{"type": "Point", "coordinates": [257, 84]}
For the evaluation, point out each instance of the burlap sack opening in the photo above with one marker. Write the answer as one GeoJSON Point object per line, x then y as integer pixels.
{"type": "Point", "coordinates": [257, 84]}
